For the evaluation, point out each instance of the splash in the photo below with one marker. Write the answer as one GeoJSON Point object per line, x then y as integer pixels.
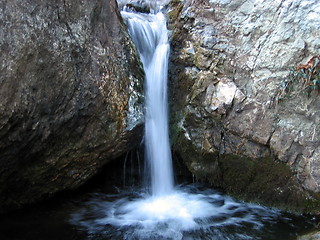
{"type": "Point", "coordinates": [188, 213]}
{"type": "Point", "coordinates": [165, 212]}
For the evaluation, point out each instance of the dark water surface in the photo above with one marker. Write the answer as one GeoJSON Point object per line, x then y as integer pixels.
{"type": "Point", "coordinates": [113, 213]}
{"type": "Point", "coordinates": [106, 208]}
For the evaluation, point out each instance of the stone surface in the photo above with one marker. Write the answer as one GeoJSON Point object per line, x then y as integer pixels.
{"type": "Point", "coordinates": [70, 95]}
{"type": "Point", "coordinates": [311, 236]}
{"type": "Point", "coordinates": [229, 60]}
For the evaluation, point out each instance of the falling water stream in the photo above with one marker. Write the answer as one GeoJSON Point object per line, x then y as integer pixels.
{"type": "Point", "coordinates": [149, 33]}
{"type": "Point", "coordinates": [166, 211]}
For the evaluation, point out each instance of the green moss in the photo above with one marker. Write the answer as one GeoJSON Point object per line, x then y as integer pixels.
{"type": "Point", "coordinates": [206, 169]}
{"type": "Point", "coordinates": [262, 180]}
{"type": "Point", "coordinates": [175, 129]}
{"type": "Point", "coordinates": [312, 205]}
{"type": "Point", "coordinates": [175, 10]}
{"type": "Point", "coordinates": [135, 61]}
{"type": "Point", "coordinates": [265, 181]}
{"type": "Point", "coordinates": [237, 173]}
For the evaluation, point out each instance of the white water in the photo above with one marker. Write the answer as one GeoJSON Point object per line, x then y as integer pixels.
{"type": "Point", "coordinates": [149, 33]}
{"type": "Point", "coordinates": [169, 212]}
{"type": "Point", "coordinates": [185, 214]}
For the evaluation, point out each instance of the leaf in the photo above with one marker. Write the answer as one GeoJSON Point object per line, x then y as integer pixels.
{"type": "Point", "coordinates": [316, 61]}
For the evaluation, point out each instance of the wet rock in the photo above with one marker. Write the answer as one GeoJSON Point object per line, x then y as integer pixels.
{"type": "Point", "coordinates": [142, 5]}
{"type": "Point", "coordinates": [310, 236]}
{"type": "Point", "coordinates": [229, 60]}
{"type": "Point", "coordinates": [70, 95]}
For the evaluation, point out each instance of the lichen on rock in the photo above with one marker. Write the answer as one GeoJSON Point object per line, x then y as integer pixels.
{"type": "Point", "coordinates": [229, 58]}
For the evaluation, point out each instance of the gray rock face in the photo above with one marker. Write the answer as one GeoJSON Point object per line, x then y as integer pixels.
{"type": "Point", "coordinates": [70, 95]}
{"type": "Point", "coordinates": [230, 59]}
{"type": "Point", "coordinates": [310, 236]}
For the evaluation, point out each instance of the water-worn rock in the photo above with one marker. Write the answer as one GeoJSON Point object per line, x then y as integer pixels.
{"type": "Point", "coordinates": [310, 236]}
{"type": "Point", "coordinates": [70, 95]}
{"type": "Point", "coordinates": [230, 60]}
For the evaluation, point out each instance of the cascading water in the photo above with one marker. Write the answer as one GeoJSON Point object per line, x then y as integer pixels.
{"type": "Point", "coordinates": [149, 33]}
{"type": "Point", "coordinates": [169, 212]}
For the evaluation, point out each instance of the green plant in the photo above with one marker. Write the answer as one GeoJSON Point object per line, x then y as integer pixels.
{"type": "Point", "coordinates": [302, 78]}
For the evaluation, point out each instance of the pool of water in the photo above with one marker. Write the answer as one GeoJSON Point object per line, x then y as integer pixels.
{"type": "Point", "coordinates": [192, 211]}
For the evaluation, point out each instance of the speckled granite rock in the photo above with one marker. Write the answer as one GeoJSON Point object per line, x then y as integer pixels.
{"type": "Point", "coordinates": [229, 60]}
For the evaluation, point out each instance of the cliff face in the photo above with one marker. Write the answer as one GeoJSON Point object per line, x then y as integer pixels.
{"type": "Point", "coordinates": [244, 116]}
{"type": "Point", "coordinates": [70, 95]}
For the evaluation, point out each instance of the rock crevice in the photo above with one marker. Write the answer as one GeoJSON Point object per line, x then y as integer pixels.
{"type": "Point", "coordinates": [230, 58]}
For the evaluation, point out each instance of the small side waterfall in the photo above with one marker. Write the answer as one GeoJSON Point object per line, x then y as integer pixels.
{"type": "Point", "coordinates": [149, 33]}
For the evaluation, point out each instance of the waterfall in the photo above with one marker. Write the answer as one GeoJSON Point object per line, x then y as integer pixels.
{"type": "Point", "coordinates": [150, 35]}
{"type": "Point", "coordinates": [180, 212]}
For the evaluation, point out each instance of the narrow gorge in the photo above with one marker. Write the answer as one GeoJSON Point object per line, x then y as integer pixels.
{"type": "Point", "coordinates": [84, 91]}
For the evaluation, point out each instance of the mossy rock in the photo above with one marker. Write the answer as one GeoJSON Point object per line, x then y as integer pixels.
{"type": "Point", "coordinates": [264, 181]}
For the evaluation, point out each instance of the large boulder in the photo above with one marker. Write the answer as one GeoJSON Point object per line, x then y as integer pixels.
{"type": "Point", "coordinates": [70, 95]}
{"type": "Point", "coordinates": [245, 114]}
